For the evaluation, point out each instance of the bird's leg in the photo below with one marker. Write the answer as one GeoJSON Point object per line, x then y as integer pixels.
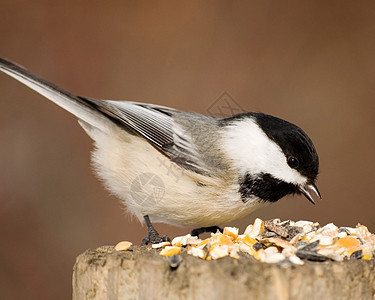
{"type": "Point", "coordinates": [153, 236]}
{"type": "Point", "coordinates": [200, 230]}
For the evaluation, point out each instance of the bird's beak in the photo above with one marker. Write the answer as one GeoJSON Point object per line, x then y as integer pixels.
{"type": "Point", "coordinates": [305, 192]}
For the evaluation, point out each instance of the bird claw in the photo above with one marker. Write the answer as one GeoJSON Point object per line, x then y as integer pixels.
{"type": "Point", "coordinates": [153, 236]}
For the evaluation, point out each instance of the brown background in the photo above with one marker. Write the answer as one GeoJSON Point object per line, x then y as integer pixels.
{"type": "Point", "coordinates": [309, 62]}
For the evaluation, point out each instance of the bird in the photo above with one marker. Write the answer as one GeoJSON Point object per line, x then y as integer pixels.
{"type": "Point", "coordinates": [184, 168]}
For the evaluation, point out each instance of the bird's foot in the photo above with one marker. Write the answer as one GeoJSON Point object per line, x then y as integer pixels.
{"type": "Point", "coordinates": [154, 239]}
{"type": "Point", "coordinates": [153, 236]}
{"type": "Point", "coordinates": [200, 230]}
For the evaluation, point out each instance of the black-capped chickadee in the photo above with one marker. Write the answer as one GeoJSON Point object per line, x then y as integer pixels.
{"type": "Point", "coordinates": [228, 167]}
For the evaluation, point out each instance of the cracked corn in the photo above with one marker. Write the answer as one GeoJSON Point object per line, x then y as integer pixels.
{"type": "Point", "coordinates": [279, 242]}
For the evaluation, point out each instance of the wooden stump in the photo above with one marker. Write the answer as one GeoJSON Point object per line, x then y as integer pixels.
{"type": "Point", "coordinates": [141, 273]}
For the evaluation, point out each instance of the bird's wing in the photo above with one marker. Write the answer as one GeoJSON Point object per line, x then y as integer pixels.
{"type": "Point", "coordinates": [156, 124]}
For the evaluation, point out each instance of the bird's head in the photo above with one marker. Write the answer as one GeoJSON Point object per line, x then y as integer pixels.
{"type": "Point", "coordinates": [273, 157]}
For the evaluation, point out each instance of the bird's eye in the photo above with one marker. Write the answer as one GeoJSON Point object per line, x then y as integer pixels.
{"type": "Point", "coordinates": [293, 162]}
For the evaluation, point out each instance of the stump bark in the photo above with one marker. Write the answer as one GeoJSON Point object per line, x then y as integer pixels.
{"type": "Point", "coordinates": [141, 273]}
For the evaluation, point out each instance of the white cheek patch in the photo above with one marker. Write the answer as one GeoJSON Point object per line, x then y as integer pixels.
{"type": "Point", "coordinates": [251, 151]}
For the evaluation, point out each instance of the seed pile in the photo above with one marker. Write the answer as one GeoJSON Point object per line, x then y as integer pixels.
{"type": "Point", "coordinates": [274, 241]}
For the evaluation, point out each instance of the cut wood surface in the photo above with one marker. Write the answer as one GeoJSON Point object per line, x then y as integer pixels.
{"type": "Point", "coordinates": [141, 273]}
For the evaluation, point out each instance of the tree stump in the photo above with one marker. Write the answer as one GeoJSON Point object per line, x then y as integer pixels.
{"type": "Point", "coordinates": [141, 273]}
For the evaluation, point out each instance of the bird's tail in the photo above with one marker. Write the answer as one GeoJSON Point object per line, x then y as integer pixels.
{"type": "Point", "coordinates": [74, 104]}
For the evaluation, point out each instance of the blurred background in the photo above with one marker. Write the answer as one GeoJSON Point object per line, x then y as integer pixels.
{"type": "Point", "coordinates": [309, 62]}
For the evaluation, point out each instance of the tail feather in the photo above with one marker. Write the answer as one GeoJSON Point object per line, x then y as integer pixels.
{"type": "Point", "coordinates": [75, 105]}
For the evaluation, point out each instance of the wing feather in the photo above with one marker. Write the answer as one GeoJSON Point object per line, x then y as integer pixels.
{"type": "Point", "coordinates": [157, 125]}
